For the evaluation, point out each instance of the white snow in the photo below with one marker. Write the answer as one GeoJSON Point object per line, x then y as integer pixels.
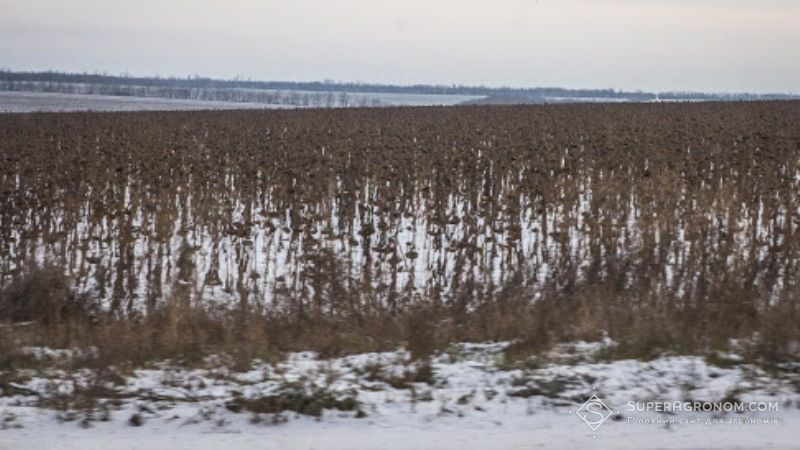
{"type": "Point", "coordinates": [473, 401]}
{"type": "Point", "coordinates": [24, 102]}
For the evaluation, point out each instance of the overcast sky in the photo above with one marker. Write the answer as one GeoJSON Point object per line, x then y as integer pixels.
{"type": "Point", "coordinates": [708, 45]}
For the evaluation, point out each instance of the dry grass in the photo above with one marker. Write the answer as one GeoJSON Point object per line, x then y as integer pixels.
{"type": "Point", "coordinates": [186, 334]}
{"type": "Point", "coordinates": [175, 330]}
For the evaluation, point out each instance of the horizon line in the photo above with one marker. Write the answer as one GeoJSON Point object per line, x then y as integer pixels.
{"type": "Point", "coordinates": [328, 81]}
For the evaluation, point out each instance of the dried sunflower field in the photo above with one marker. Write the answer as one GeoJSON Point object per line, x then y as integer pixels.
{"type": "Point", "coordinates": [658, 225]}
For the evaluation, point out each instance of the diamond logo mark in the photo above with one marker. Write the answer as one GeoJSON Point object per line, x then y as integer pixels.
{"type": "Point", "coordinates": [594, 412]}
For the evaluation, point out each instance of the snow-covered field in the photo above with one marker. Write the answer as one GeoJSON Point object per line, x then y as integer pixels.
{"type": "Point", "coordinates": [466, 397]}
{"type": "Point", "coordinates": [21, 102]}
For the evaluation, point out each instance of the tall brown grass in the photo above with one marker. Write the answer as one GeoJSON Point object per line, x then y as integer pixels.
{"type": "Point", "coordinates": [186, 333]}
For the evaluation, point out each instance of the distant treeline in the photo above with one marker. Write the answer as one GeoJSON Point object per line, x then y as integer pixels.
{"type": "Point", "coordinates": [240, 90]}
{"type": "Point", "coordinates": [326, 99]}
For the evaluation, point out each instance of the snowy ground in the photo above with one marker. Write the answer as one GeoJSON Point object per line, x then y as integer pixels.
{"type": "Point", "coordinates": [468, 397]}
{"type": "Point", "coordinates": [23, 102]}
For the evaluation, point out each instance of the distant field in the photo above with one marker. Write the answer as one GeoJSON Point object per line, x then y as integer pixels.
{"type": "Point", "coordinates": [21, 101]}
